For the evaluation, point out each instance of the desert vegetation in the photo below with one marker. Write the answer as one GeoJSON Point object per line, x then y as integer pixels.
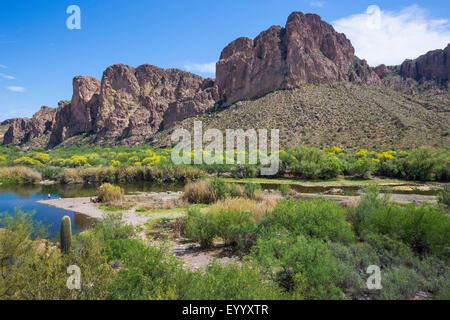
{"type": "Point", "coordinates": [287, 249]}
{"type": "Point", "coordinates": [132, 164]}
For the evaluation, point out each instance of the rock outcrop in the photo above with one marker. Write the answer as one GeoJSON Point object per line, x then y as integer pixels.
{"type": "Point", "coordinates": [434, 65]}
{"type": "Point", "coordinates": [307, 50]}
{"type": "Point", "coordinates": [78, 115]}
{"type": "Point", "coordinates": [22, 130]}
{"type": "Point", "coordinates": [136, 102]}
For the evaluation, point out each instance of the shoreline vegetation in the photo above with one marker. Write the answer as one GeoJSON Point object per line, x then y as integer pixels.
{"type": "Point", "coordinates": [300, 165]}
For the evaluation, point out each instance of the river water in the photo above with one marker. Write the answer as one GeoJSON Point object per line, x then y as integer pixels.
{"type": "Point", "coordinates": [24, 197]}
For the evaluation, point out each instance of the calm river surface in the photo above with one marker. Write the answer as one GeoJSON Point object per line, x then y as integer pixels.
{"type": "Point", "coordinates": [24, 197]}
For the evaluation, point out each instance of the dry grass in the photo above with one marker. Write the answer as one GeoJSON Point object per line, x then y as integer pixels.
{"type": "Point", "coordinates": [199, 192]}
{"type": "Point", "coordinates": [162, 204]}
{"type": "Point", "coordinates": [19, 175]}
{"type": "Point", "coordinates": [259, 209]}
{"type": "Point", "coordinates": [111, 195]}
{"type": "Point", "coordinates": [130, 174]}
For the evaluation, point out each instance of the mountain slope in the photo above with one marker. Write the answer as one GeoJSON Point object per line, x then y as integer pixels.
{"type": "Point", "coordinates": [343, 114]}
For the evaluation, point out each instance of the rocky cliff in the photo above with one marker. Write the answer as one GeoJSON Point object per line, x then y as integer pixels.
{"type": "Point", "coordinates": [23, 130]}
{"type": "Point", "coordinates": [136, 103]}
{"type": "Point", "coordinates": [307, 50]}
{"type": "Point", "coordinates": [127, 107]}
{"type": "Point", "coordinates": [435, 65]}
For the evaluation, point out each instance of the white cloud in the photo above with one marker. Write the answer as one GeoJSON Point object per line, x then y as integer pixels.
{"type": "Point", "coordinates": [16, 89]}
{"type": "Point", "coordinates": [391, 37]}
{"type": "Point", "coordinates": [209, 67]}
{"type": "Point", "coordinates": [2, 66]}
{"type": "Point", "coordinates": [7, 76]}
{"type": "Point", "coordinates": [319, 4]}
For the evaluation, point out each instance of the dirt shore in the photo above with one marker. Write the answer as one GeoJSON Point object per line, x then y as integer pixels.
{"type": "Point", "coordinates": [86, 207]}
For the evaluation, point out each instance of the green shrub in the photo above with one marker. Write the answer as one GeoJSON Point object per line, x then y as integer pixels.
{"type": "Point", "coordinates": [34, 269]}
{"type": "Point", "coordinates": [235, 227]}
{"type": "Point", "coordinates": [113, 227]}
{"type": "Point", "coordinates": [234, 282]}
{"type": "Point", "coordinates": [317, 218]}
{"type": "Point", "coordinates": [200, 227]}
{"type": "Point", "coordinates": [285, 189]}
{"type": "Point", "coordinates": [362, 168]}
{"type": "Point", "coordinates": [252, 190]}
{"type": "Point", "coordinates": [424, 228]}
{"type": "Point", "coordinates": [304, 267]}
{"type": "Point", "coordinates": [219, 188]}
{"type": "Point", "coordinates": [311, 163]}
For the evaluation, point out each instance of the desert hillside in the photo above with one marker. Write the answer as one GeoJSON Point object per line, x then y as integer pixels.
{"type": "Point", "coordinates": [343, 114]}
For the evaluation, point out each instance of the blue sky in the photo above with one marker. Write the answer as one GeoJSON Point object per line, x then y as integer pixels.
{"type": "Point", "coordinates": [39, 56]}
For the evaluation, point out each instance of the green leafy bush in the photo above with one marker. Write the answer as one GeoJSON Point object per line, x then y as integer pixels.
{"type": "Point", "coordinates": [317, 218]}
{"type": "Point", "coordinates": [424, 228]}
{"type": "Point", "coordinates": [312, 163]}
{"type": "Point", "coordinates": [200, 227]}
{"type": "Point", "coordinates": [304, 267]}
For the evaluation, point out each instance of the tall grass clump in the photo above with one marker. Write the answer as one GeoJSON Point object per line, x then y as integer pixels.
{"type": "Point", "coordinates": [209, 191]}
{"type": "Point", "coordinates": [110, 194]}
{"type": "Point", "coordinates": [19, 175]}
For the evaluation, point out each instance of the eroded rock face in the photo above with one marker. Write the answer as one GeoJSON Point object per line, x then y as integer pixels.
{"type": "Point", "coordinates": [136, 102]}
{"type": "Point", "coordinates": [22, 130]}
{"type": "Point", "coordinates": [78, 115]}
{"type": "Point", "coordinates": [435, 65]}
{"type": "Point", "coordinates": [307, 50]}
{"type": "Point", "coordinates": [381, 71]}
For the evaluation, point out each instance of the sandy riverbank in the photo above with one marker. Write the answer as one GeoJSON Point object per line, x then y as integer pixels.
{"type": "Point", "coordinates": [86, 207]}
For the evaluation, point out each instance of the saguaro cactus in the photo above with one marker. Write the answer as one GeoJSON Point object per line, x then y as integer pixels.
{"type": "Point", "coordinates": [66, 234]}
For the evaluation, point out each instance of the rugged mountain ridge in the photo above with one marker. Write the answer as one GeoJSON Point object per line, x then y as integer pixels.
{"type": "Point", "coordinates": [307, 50]}
{"type": "Point", "coordinates": [130, 105]}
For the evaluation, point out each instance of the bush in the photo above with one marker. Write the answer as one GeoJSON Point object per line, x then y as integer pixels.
{"type": "Point", "coordinates": [234, 282]}
{"type": "Point", "coordinates": [425, 229]}
{"type": "Point", "coordinates": [233, 220]}
{"type": "Point", "coordinates": [200, 227]}
{"type": "Point", "coordinates": [285, 189]}
{"type": "Point", "coordinates": [153, 273]}
{"type": "Point", "coordinates": [312, 163]}
{"type": "Point", "coordinates": [252, 191]}
{"type": "Point", "coordinates": [110, 194]}
{"type": "Point", "coordinates": [210, 191]}
{"type": "Point", "coordinates": [112, 227]}
{"type": "Point", "coordinates": [317, 218]}
{"type": "Point", "coordinates": [33, 268]}
{"type": "Point", "coordinates": [304, 267]}
{"type": "Point", "coordinates": [235, 227]}
{"type": "Point", "coordinates": [199, 192]}
{"type": "Point", "coordinates": [362, 168]}
{"type": "Point", "coordinates": [19, 175]}
{"type": "Point", "coordinates": [444, 197]}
